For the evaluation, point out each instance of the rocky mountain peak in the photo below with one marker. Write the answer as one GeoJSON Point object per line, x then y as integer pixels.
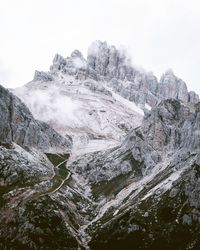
{"type": "Point", "coordinates": [193, 97]}
{"type": "Point", "coordinates": [59, 63]}
{"type": "Point", "coordinates": [77, 53]}
{"type": "Point", "coordinates": [58, 59]}
{"type": "Point", "coordinates": [169, 72]}
{"type": "Point", "coordinates": [98, 48]}
{"type": "Point", "coordinates": [42, 76]}
{"type": "Point", "coordinates": [173, 87]}
{"type": "Point", "coordinates": [108, 61]}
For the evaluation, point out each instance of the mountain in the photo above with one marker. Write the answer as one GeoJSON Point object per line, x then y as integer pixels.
{"type": "Point", "coordinates": [99, 154]}
{"type": "Point", "coordinates": [103, 97]}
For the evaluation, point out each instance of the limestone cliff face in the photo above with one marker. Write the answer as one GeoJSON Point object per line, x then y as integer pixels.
{"type": "Point", "coordinates": [193, 97]}
{"type": "Point", "coordinates": [173, 87]}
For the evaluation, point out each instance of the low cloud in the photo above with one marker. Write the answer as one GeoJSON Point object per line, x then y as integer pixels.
{"type": "Point", "coordinates": [51, 105]}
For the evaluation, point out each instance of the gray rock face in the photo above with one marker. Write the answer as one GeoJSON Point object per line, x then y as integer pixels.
{"type": "Point", "coordinates": [42, 76]}
{"type": "Point", "coordinates": [20, 166]}
{"type": "Point", "coordinates": [193, 97]}
{"type": "Point", "coordinates": [77, 53]}
{"type": "Point", "coordinates": [108, 61]}
{"type": "Point", "coordinates": [18, 125]}
{"type": "Point", "coordinates": [58, 63]}
{"type": "Point", "coordinates": [170, 127]}
{"type": "Point", "coordinates": [74, 65]}
{"type": "Point", "coordinates": [96, 88]}
{"type": "Point", "coordinates": [173, 87]}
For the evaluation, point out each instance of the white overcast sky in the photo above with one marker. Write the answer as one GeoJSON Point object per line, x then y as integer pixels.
{"type": "Point", "coordinates": [160, 34]}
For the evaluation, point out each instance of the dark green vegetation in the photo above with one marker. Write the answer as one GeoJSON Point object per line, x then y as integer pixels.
{"type": "Point", "coordinates": [169, 222]}
{"type": "Point", "coordinates": [56, 159]}
{"type": "Point", "coordinates": [59, 162]}
{"type": "Point", "coordinates": [40, 227]}
{"type": "Point", "coordinates": [7, 145]}
{"type": "Point", "coordinates": [112, 187]}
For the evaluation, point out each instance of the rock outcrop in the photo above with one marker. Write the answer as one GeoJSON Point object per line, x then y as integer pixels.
{"type": "Point", "coordinates": [193, 97]}
{"type": "Point", "coordinates": [42, 76]}
{"type": "Point", "coordinates": [172, 87]}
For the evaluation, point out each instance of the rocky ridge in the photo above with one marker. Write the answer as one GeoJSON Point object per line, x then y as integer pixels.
{"type": "Point", "coordinates": [106, 63]}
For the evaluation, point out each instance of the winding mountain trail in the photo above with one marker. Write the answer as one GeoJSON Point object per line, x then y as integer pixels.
{"type": "Point", "coordinates": [54, 179]}
{"type": "Point", "coordinates": [31, 193]}
{"type": "Point", "coordinates": [62, 174]}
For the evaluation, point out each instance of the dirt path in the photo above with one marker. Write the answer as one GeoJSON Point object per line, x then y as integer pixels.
{"type": "Point", "coordinates": [57, 180]}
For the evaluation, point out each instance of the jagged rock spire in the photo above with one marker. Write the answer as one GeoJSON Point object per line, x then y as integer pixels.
{"type": "Point", "coordinates": [107, 63]}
